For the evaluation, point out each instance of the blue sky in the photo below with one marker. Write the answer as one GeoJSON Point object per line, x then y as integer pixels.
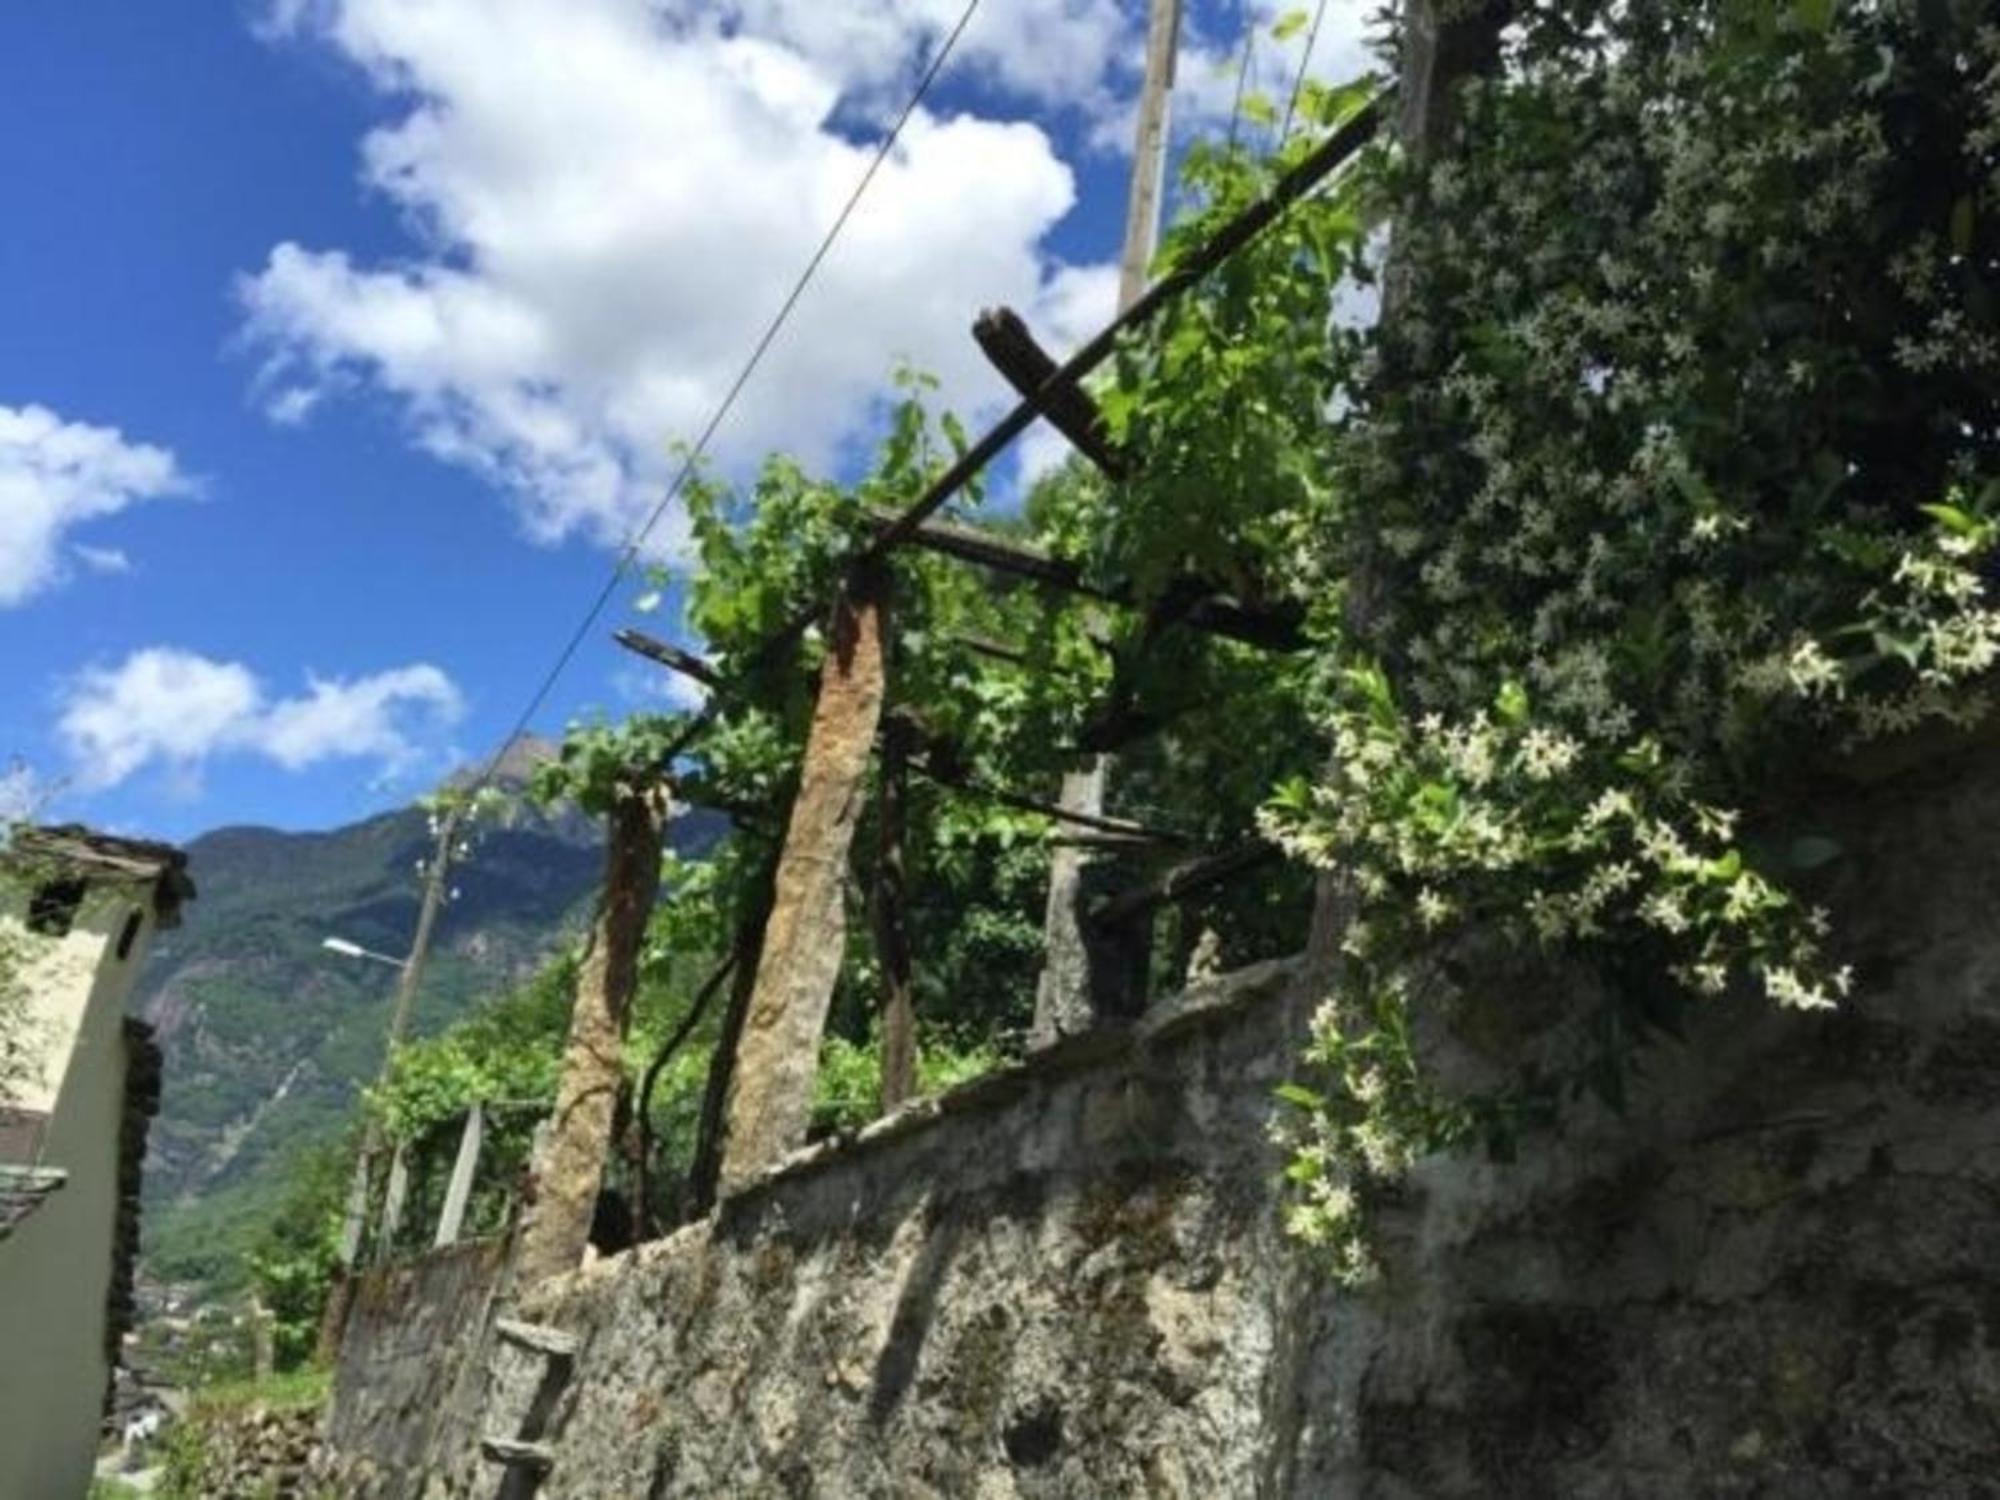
{"type": "Point", "coordinates": [340, 340]}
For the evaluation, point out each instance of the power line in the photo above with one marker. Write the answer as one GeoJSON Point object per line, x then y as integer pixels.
{"type": "Point", "coordinates": [1242, 73]}
{"type": "Point", "coordinates": [1299, 82]}
{"type": "Point", "coordinates": [693, 458]}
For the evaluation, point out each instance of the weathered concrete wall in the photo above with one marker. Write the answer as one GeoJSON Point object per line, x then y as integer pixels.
{"type": "Point", "coordinates": [1774, 1276]}
{"type": "Point", "coordinates": [410, 1365]}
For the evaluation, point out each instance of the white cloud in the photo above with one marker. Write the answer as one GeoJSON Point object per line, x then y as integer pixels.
{"type": "Point", "coordinates": [613, 196]}
{"type": "Point", "coordinates": [103, 559]}
{"type": "Point", "coordinates": [1055, 53]}
{"type": "Point", "coordinates": [177, 709]}
{"type": "Point", "coordinates": [56, 475]}
{"type": "Point", "coordinates": [658, 688]}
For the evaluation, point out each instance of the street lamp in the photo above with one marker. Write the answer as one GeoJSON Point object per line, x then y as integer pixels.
{"type": "Point", "coordinates": [354, 1224]}
{"type": "Point", "coordinates": [354, 950]}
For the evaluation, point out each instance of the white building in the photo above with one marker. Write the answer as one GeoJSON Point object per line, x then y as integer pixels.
{"type": "Point", "coordinates": [77, 910]}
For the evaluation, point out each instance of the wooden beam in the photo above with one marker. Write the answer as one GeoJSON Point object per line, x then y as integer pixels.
{"type": "Point", "coordinates": [993, 650]}
{"type": "Point", "coordinates": [672, 657]}
{"type": "Point", "coordinates": [1182, 880]}
{"type": "Point", "coordinates": [464, 1170]}
{"type": "Point", "coordinates": [1238, 232]}
{"type": "Point", "coordinates": [1027, 367]}
{"type": "Point", "coordinates": [1124, 829]}
{"type": "Point", "coordinates": [770, 1098]}
{"type": "Point", "coordinates": [1190, 604]}
{"type": "Point", "coordinates": [1000, 554]}
{"type": "Point", "coordinates": [393, 1199]}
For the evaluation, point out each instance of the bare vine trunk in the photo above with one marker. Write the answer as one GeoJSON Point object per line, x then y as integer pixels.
{"type": "Point", "coordinates": [570, 1171]}
{"type": "Point", "coordinates": [892, 936]}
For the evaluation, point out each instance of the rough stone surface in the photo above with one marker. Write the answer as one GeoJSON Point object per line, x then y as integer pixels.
{"type": "Point", "coordinates": [770, 1092]}
{"type": "Point", "coordinates": [253, 1452]}
{"type": "Point", "coordinates": [1773, 1276]}
{"type": "Point", "coordinates": [412, 1364]}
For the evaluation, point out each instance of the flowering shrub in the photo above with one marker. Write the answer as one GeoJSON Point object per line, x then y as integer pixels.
{"type": "Point", "coordinates": [1674, 460]}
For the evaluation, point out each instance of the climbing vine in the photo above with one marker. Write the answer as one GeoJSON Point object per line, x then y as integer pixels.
{"type": "Point", "coordinates": [1674, 463]}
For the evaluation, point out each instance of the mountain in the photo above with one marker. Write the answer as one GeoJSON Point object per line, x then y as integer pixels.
{"type": "Point", "coordinates": [268, 1038]}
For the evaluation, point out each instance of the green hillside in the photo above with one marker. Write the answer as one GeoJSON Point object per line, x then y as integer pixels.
{"type": "Point", "coordinates": [268, 1038]}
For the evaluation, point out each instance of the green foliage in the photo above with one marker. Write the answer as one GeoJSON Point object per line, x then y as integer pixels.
{"type": "Point", "coordinates": [292, 1263]}
{"type": "Point", "coordinates": [1224, 394]}
{"type": "Point", "coordinates": [194, 1449]}
{"type": "Point", "coordinates": [599, 763]}
{"type": "Point", "coordinates": [847, 1089]}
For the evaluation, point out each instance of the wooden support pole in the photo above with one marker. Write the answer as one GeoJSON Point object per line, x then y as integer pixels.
{"type": "Point", "coordinates": [393, 1199]}
{"type": "Point", "coordinates": [1081, 979]}
{"type": "Point", "coordinates": [569, 1169]}
{"type": "Point", "coordinates": [354, 1224]}
{"type": "Point", "coordinates": [770, 1098]}
{"type": "Point", "coordinates": [464, 1170]}
{"type": "Point", "coordinates": [892, 934]}
{"type": "Point", "coordinates": [1183, 880]}
{"type": "Point", "coordinates": [672, 657]}
{"type": "Point", "coordinates": [1026, 366]}
{"type": "Point", "coordinates": [1149, 153]}
{"type": "Point", "coordinates": [263, 1344]}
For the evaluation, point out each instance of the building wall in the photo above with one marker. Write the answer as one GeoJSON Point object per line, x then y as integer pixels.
{"type": "Point", "coordinates": [55, 1269]}
{"type": "Point", "coordinates": [1773, 1275]}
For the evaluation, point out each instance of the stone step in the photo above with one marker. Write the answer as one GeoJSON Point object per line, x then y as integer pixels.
{"type": "Point", "coordinates": [517, 1454]}
{"type": "Point", "coordinates": [552, 1342]}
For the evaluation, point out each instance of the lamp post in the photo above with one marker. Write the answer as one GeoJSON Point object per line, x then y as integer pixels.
{"type": "Point", "coordinates": [355, 1221]}
{"type": "Point", "coordinates": [354, 950]}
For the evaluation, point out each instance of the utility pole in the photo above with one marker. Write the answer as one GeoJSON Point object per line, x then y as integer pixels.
{"type": "Point", "coordinates": [341, 1296]}
{"type": "Point", "coordinates": [1149, 153]}
{"type": "Point", "coordinates": [1064, 999]}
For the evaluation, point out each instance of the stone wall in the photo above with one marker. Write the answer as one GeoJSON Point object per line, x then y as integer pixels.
{"type": "Point", "coordinates": [1772, 1276]}
{"type": "Point", "coordinates": [411, 1362]}
{"type": "Point", "coordinates": [255, 1451]}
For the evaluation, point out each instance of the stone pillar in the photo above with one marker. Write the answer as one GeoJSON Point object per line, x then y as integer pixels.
{"type": "Point", "coordinates": [770, 1096]}
{"type": "Point", "coordinates": [569, 1169]}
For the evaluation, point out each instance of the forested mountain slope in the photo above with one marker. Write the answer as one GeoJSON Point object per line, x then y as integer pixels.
{"type": "Point", "coordinates": [268, 1037]}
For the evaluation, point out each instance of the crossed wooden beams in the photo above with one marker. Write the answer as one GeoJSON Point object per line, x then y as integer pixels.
{"type": "Point", "coordinates": [775, 1021]}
